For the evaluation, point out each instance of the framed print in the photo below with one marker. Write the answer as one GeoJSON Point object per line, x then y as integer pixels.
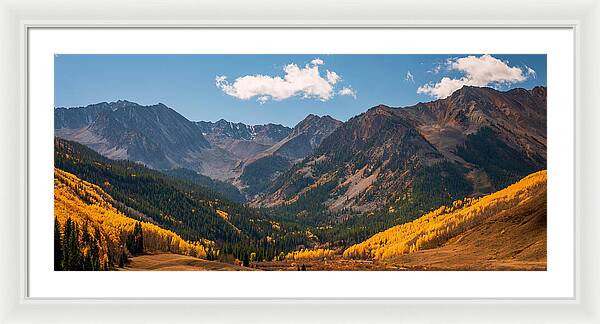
{"type": "Point", "coordinates": [246, 164]}
{"type": "Point", "coordinates": [285, 171]}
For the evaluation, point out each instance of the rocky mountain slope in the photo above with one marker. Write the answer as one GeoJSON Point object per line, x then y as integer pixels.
{"type": "Point", "coordinates": [262, 168]}
{"type": "Point", "coordinates": [156, 136]}
{"type": "Point", "coordinates": [241, 140]}
{"type": "Point", "coordinates": [160, 138]}
{"type": "Point", "coordinates": [474, 142]}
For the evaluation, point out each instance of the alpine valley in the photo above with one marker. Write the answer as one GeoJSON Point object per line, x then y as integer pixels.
{"type": "Point", "coordinates": [456, 183]}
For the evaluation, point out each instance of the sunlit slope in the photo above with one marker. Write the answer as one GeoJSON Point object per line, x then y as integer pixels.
{"type": "Point", "coordinates": [509, 224]}
{"type": "Point", "coordinates": [82, 201]}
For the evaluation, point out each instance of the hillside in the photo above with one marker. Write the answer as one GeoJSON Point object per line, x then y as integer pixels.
{"type": "Point", "coordinates": [152, 194]}
{"type": "Point", "coordinates": [156, 136]}
{"type": "Point", "coordinates": [501, 230]}
{"type": "Point", "coordinates": [99, 230]}
{"type": "Point", "coordinates": [304, 138]}
{"type": "Point", "coordinates": [192, 211]}
{"type": "Point", "coordinates": [225, 189]}
{"type": "Point", "coordinates": [259, 171]}
{"type": "Point", "coordinates": [411, 159]}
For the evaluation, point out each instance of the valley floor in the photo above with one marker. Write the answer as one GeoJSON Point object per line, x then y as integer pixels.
{"type": "Point", "coordinates": [439, 259]}
{"type": "Point", "coordinates": [337, 263]}
{"type": "Point", "coordinates": [176, 262]}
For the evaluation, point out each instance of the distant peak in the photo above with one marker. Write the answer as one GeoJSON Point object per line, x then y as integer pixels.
{"type": "Point", "coordinates": [468, 92]}
{"type": "Point", "coordinates": [475, 90]}
{"type": "Point", "coordinates": [124, 103]}
{"type": "Point", "coordinates": [313, 120]}
{"type": "Point", "coordinates": [468, 89]}
{"type": "Point", "coordinates": [313, 117]}
{"type": "Point", "coordinates": [310, 118]}
{"type": "Point", "coordinates": [539, 90]}
{"type": "Point", "coordinates": [118, 104]}
{"type": "Point", "coordinates": [381, 108]}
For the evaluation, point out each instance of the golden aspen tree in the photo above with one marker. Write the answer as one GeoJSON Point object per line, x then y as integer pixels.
{"type": "Point", "coordinates": [439, 225]}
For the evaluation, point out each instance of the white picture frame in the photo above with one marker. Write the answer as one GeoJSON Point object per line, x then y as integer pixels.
{"type": "Point", "coordinates": [18, 17]}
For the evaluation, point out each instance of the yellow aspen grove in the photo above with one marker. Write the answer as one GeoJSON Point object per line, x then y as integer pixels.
{"type": "Point", "coordinates": [435, 228]}
{"type": "Point", "coordinates": [84, 202]}
{"type": "Point", "coordinates": [310, 254]}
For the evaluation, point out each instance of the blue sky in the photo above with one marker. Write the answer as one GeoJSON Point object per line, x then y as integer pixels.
{"type": "Point", "coordinates": [254, 89]}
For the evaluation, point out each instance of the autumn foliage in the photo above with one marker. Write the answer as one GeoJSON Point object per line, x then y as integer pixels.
{"type": "Point", "coordinates": [310, 254]}
{"type": "Point", "coordinates": [92, 211]}
{"type": "Point", "coordinates": [436, 227]}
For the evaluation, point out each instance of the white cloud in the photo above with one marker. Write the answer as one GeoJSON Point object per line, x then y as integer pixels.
{"type": "Point", "coordinates": [347, 91]}
{"type": "Point", "coordinates": [306, 81]}
{"type": "Point", "coordinates": [530, 72]}
{"type": "Point", "coordinates": [409, 77]}
{"type": "Point", "coordinates": [436, 69]}
{"type": "Point", "coordinates": [333, 77]}
{"type": "Point", "coordinates": [262, 99]}
{"type": "Point", "coordinates": [478, 71]}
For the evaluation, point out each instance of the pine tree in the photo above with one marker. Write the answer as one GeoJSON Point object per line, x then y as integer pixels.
{"type": "Point", "coordinates": [58, 246]}
{"type": "Point", "coordinates": [122, 258]}
{"type": "Point", "coordinates": [109, 258]}
{"type": "Point", "coordinates": [139, 238]}
{"type": "Point", "coordinates": [246, 261]}
{"type": "Point", "coordinates": [66, 246]}
{"type": "Point", "coordinates": [77, 255]}
{"type": "Point", "coordinates": [95, 250]}
{"type": "Point", "coordinates": [135, 240]}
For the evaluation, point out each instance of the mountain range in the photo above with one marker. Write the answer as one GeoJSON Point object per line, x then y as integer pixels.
{"type": "Point", "coordinates": [474, 142]}
{"type": "Point", "coordinates": [471, 143]}
{"type": "Point", "coordinates": [160, 138]}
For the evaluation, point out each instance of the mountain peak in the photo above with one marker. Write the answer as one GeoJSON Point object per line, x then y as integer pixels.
{"type": "Point", "coordinates": [221, 129]}
{"type": "Point", "coordinates": [122, 103]}
{"type": "Point", "coordinates": [312, 121]}
{"type": "Point", "coordinates": [309, 119]}
{"type": "Point", "coordinates": [539, 91]}
{"type": "Point", "coordinates": [155, 135]}
{"type": "Point", "coordinates": [379, 110]}
{"type": "Point", "coordinates": [468, 90]}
